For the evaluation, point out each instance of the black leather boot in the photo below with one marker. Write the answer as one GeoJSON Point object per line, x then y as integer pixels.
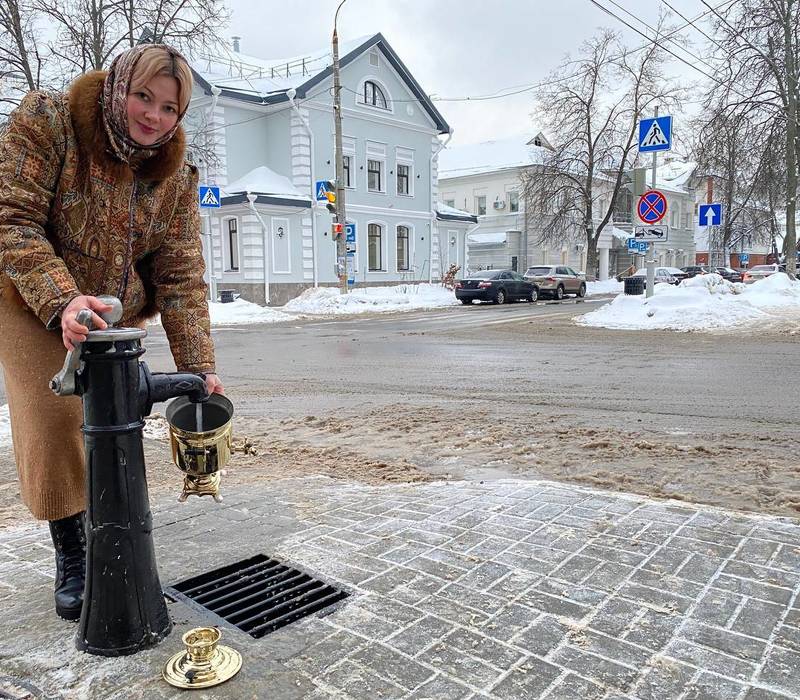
{"type": "Point", "coordinates": [69, 540]}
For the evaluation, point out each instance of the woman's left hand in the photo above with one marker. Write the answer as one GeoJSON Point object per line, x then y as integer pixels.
{"type": "Point", "coordinates": [214, 384]}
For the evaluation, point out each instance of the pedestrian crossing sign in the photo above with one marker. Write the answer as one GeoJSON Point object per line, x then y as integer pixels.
{"type": "Point", "coordinates": [655, 134]}
{"type": "Point", "coordinates": [209, 197]}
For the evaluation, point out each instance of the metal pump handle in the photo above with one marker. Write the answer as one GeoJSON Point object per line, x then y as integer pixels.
{"type": "Point", "coordinates": [64, 384]}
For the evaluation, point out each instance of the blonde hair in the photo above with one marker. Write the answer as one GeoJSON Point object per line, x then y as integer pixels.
{"type": "Point", "coordinates": [162, 61]}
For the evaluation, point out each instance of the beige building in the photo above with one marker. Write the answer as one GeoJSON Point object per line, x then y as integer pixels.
{"type": "Point", "coordinates": [485, 179]}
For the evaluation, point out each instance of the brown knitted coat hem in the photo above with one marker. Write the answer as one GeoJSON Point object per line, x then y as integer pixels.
{"type": "Point", "coordinates": [46, 429]}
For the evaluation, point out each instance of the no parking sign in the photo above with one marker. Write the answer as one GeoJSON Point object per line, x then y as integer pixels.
{"type": "Point", "coordinates": [652, 207]}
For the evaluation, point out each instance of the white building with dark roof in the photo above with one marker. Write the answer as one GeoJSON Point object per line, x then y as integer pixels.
{"type": "Point", "coordinates": [264, 132]}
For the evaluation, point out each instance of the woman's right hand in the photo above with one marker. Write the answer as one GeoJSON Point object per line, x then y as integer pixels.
{"type": "Point", "coordinates": [74, 332]}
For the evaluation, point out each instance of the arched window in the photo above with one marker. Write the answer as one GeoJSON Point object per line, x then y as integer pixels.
{"type": "Point", "coordinates": [403, 249]}
{"type": "Point", "coordinates": [375, 246]}
{"type": "Point", "coordinates": [373, 95]}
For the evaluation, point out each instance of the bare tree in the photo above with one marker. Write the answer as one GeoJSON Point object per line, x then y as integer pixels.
{"type": "Point", "coordinates": [20, 57]}
{"type": "Point", "coordinates": [589, 110]}
{"type": "Point", "coordinates": [89, 33]}
{"type": "Point", "coordinates": [738, 153]}
{"type": "Point", "coordinates": [757, 74]}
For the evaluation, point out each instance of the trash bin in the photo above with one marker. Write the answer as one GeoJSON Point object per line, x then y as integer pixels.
{"type": "Point", "coordinates": [226, 295]}
{"type": "Point", "coordinates": [634, 285]}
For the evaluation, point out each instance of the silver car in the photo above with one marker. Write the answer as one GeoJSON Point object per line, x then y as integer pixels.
{"type": "Point", "coordinates": [759, 272]}
{"type": "Point", "coordinates": [556, 280]}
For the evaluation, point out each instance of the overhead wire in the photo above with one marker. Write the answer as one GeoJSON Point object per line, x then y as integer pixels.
{"type": "Point", "coordinates": [503, 95]}
{"type": "Point", "coordinates": [527, 88]}
{"type": "Point", "coordinates": [714, 80]}
{"type": "Point", "coordinates": [692, 23]}
{"type": "Point", "coordinates": [656, 31]}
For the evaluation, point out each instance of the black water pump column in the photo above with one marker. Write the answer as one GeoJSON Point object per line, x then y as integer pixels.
{"type": "Point", "coordinates": [123, 609]}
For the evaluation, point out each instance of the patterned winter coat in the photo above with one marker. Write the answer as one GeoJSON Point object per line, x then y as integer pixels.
{"type": "Point", "coordinates": [75, 220]}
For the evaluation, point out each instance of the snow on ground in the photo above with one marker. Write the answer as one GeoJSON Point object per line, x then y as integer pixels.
{"type": "Point", "coordinates": [705, 302]}
{"type": "Point", "coordinates": [403, 297]}
{"type": "Point", "coordinates": [241, 312]}
{"type": "Point", "coordinates": [5, 426]}
{"type": "Point", "coordinates": [609, 286]}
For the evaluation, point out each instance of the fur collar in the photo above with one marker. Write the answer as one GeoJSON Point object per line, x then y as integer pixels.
{"type": "Point", "coordinates": [84, 105]}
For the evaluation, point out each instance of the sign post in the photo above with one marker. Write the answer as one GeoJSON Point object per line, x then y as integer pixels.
{"type": "Point", "coordinates": [209, 198]}
{"type": "Point", "coordinates": [655, 135]}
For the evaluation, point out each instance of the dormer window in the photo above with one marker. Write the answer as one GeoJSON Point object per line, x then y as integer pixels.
{"type": "Point", "coordinates": [374, 96]}
{"type": "Point", "coordinates": [537, 141]}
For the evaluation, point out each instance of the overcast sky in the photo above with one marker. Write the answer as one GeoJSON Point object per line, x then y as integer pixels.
{"type": "Point", "coordinates": [456, 48]}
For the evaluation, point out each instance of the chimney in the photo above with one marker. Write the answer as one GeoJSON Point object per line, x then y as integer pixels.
{"type": "Point", "coordinates": [236, 40]}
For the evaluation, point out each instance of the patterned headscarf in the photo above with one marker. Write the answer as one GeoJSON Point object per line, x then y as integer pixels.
{"type": "Point", "coordinates": [115, 104]}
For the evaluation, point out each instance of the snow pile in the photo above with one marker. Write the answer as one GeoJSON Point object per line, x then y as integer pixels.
{"type": "Point", "coordinates": [403, 297]}
{"type": "Point", "coordinates": [609, 286]}
{"type": "Point", "coordinates": [243, 312]}
{"type": "Point", "coordinates": [5, 426]}
{"type": "Point", "coordinates": [704, 302]}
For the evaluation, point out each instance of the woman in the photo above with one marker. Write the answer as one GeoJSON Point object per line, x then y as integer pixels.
{"type": "Point", "coordinates": [95, 198]}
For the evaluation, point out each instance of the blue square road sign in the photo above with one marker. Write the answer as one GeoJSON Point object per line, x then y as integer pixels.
{"type": "Point", "coordinates": [655, 134]}
{"type": "Point", "coordinates": [710, 215]}
{"type": "Point", "coordinates": [209, 197]}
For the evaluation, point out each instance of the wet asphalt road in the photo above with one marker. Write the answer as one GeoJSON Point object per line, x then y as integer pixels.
{"type": "Point", "coordinates": [521, 357]}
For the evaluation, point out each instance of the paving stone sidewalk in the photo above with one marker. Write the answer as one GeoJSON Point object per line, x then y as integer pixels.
{"type": "Point", "coordinates": [506, 589]}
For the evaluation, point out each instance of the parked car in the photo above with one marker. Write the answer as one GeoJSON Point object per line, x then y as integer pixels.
{"type": "Point", "coordinates": [693, 270]}
{"type": "Point", "coordinates": [677, 273]}
{"type": "Point", "coordinates": [662, 275]}
{"type": "Point", "coordinates": [728, 273]}
{"type": "Point", "coordinates": [556, 280]}
{"type": "Point", "coordinates": [497, 286]}
{"type": "Point", "coordinates": [759, 272]}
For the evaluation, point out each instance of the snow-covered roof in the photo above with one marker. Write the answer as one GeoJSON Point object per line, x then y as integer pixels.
{"type": "Point", "coordinates": [488, 156]}
{"type": "Point", "coordinates": [262, 180]}
{"type": "Point", "coordinates": [446, 213]}
{"type": "Point", "coordinates": [240, 72]}
{"type": "Point", "coordinates": [673, 176]}
{"type": "Point", "coordinates": [266, 81]}
{"type": "Point", "coordinates": [487, 238]}
{"type": "Point", "coordinates": [620, 234]}
{"type": "Point", "coordinates": [675, 173]}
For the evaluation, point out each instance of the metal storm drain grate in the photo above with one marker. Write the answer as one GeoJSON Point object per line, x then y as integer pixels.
{"type": "Point", "coordinates": [258, 595]}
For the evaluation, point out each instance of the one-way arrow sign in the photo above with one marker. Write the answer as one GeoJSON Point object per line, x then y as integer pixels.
{"type": "Point", "coordinates": [710, 214]}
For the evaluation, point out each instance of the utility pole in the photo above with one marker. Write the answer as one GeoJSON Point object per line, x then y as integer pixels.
{"type": "Point", "coordinates": [651, 263]}
{"type": "Point", "coordinates": [340, 218]}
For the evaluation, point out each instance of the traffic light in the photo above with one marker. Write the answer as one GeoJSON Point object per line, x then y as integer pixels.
{"type": "Point", "coordinates": [330, 195]}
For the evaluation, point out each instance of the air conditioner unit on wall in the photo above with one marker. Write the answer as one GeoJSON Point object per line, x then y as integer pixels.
{"type": "Point", "coordinates": [499, 204]}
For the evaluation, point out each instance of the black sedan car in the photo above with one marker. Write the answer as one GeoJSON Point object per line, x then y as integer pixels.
{"type": "Point", "coordinates": [497, 286]}
{"type": "Point", "coordinates": [728, 273]}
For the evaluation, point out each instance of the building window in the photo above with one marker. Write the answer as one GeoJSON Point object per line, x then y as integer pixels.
{"type": "Point", "coordinates": [375, 245]}
{"type": "Point", "coordinates": [513, 202]}
{"type": "Point", "coordinates": [374, 175]}
{"type": "Point", "coordinates": [480, 205]}
{"type": "Point", "coordinates": [346, 170]}
{"type": "Point", "coordinates": [403, 179]}
{"type": "Point", "coordinates": [514, 262]}
{"type": "Point", "coordinates": [233, 246]}
{"type": "Point", "coordinates": [403, 249]}
{"type": "Point", "coordinates": [373, 95]}
{"type": "Point", "coordinates": [450, 203]}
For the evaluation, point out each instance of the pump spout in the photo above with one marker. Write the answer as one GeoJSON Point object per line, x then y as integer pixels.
{"type": "Point", "coordinates": [154, 388]}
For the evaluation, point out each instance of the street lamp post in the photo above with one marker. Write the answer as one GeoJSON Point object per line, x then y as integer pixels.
{"type": "Point", "coordinates": [340, 216]}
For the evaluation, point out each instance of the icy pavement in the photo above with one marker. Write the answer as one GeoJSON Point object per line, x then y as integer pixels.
{"type": "Point", "coordinates": [505, 589]}
{"type": "Point", "coordinates": [705, 303]}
